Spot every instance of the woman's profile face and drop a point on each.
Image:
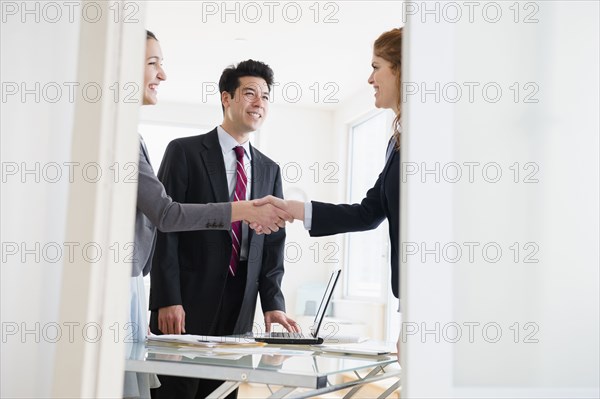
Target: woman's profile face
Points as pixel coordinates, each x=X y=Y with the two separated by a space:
x=384 y=81
x=153 y=72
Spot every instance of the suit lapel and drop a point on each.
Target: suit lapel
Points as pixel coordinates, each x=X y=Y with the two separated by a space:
x=145 y=150
x=260 y=182
x=390 y=154
x=260 y=185
x=212 y=157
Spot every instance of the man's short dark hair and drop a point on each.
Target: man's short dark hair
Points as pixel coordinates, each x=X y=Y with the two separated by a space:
x=150 y=35
x=230 y=78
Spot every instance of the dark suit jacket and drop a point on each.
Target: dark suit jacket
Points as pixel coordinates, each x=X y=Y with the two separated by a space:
x=382 y=201
x=191 y=268
x=155 y=209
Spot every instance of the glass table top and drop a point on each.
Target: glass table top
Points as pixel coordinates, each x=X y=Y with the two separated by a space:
x=284 y=365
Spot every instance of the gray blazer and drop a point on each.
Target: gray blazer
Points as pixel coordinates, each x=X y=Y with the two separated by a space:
x=155 y=209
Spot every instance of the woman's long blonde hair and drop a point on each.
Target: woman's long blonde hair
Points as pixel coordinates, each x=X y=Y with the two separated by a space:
x=389 y=47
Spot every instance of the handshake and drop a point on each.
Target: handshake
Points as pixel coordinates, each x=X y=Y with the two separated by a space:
x=268 y=214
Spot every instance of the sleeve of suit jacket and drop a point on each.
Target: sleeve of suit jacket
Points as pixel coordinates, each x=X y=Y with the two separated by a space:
x=329 y=219
x=168 y=215
x=271 y=297
x=173 y=174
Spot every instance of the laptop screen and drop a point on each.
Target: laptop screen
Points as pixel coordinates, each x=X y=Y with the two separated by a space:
x=320 y=315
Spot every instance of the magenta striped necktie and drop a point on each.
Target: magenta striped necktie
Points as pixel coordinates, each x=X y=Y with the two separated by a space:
x=239 y=195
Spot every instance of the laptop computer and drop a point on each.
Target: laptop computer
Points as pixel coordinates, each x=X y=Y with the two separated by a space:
x=298 y=338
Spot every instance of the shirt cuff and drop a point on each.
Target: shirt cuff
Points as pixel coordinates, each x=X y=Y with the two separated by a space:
x=307 y=215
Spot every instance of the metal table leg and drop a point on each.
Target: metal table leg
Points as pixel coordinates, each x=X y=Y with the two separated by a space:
x=389 y=391
x=283 y=392
x=353 y=391
x=225 y=389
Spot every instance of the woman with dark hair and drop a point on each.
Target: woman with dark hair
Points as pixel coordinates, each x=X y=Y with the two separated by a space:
x=155 y=210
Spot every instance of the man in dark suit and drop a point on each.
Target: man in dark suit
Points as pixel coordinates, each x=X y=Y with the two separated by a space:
x=207 y=282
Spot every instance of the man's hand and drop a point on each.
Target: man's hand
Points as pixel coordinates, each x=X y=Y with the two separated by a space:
x=295 y=209
x=277 y=316
x=171 y=320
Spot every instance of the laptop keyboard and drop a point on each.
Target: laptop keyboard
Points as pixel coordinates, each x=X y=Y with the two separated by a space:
x=293 y=335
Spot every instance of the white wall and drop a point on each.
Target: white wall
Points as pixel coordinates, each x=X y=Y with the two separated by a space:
x=34 y=207
x=299 y=138
x=557 y=290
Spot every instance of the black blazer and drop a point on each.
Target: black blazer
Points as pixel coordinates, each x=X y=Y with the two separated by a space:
x=190 y=268
x=382 y=201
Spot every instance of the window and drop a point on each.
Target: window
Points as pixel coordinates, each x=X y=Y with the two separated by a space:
x=367 y=253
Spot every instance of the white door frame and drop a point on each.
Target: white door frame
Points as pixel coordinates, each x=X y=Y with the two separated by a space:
x=95 y=287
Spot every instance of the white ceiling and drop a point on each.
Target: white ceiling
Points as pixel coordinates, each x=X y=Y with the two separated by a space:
x=199 y=39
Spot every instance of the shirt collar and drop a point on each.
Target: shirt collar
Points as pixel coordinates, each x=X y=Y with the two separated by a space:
x=228 y=143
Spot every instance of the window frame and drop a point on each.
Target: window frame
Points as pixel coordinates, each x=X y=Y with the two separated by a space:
x=382 y=296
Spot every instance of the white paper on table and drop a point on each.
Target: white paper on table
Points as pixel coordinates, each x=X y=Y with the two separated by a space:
x=370 y=349
x=199 y=339
x=264 y=350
